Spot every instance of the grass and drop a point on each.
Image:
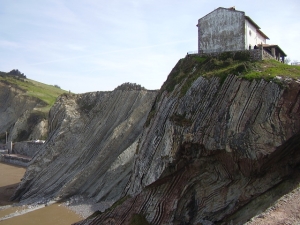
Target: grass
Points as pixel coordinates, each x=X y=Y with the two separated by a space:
x=138 y=219
x=180 y=120
x=269 y=69
x=46 y=93
x=189 y=69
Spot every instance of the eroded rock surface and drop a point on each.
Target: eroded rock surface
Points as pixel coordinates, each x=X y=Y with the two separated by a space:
x=89 y=152
x=18 y=116
x=206 y=154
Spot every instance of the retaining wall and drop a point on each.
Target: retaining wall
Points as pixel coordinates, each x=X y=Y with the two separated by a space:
x=27 y=148
x=14 y=159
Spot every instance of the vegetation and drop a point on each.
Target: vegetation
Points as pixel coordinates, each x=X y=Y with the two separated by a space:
x=180 y=120
x=130 y=87
x=150 y=116
x=270 y=69
x=138 y=219
x=45 y=93
x=189 y=69
x=16 y=73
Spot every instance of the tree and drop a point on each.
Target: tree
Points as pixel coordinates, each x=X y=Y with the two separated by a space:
x=295 y=62
x=287 y=60
x=17 y=73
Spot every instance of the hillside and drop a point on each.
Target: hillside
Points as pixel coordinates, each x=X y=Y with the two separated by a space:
x=220 y=145
x=45 y=93
x=24 y=107
x=89 y=152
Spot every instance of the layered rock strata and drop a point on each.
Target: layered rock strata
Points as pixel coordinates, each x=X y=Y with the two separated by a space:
x=206 y=154
x=89 y=152
x=18 y=116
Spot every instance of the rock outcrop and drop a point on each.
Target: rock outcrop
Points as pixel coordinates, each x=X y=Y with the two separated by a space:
x=18 y=114
x=206 y=152
x=89 y=152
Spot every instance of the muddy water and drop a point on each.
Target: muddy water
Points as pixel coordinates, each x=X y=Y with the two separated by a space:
x=10 y=176
x=54 y=214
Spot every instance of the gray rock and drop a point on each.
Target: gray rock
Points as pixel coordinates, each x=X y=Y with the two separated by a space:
x=89 y=152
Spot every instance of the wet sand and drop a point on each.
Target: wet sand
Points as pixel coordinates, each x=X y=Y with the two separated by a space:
x=49 y=215
x=10 y=177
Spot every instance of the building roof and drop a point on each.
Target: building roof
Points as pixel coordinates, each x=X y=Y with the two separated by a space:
x=229 y=9
x=246 y=17
x=263 y=34
x=251 y=21
x=275 y=46
x=257 y=27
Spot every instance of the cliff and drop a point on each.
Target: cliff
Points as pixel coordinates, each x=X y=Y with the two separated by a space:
x=89 y=152
x=216 y=141
x=17 y=114
x=24 y=107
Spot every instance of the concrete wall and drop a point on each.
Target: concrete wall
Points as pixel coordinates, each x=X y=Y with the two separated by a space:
x=221 y=30
x=11 y=159
x=26 y=148
x=254 y=54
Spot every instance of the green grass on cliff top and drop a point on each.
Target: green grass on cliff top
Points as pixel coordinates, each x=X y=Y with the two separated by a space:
x=187 y=70
x=250 y=70
x=269 y=69
x=46 y=93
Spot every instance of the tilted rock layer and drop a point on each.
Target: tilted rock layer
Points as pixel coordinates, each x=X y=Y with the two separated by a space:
x=206 y=154
x=18 y=116
x=92 y=140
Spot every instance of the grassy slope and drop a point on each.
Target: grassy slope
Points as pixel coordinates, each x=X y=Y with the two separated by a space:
x=187 y=70
x=44 y=92
x=190 y=68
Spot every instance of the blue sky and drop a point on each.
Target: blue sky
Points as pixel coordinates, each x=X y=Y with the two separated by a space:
x=89 y=45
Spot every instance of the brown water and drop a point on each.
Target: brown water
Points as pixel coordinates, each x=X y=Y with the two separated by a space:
x=54 y=214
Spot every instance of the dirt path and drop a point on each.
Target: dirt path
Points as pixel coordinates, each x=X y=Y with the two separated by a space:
x=285 y=211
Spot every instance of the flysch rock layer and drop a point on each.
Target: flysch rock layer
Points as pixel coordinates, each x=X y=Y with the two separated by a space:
x=208 y=153
x=15 y=111
x=89 y=152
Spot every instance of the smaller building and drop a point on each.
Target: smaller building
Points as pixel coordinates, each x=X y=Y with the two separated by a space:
x=227 y=29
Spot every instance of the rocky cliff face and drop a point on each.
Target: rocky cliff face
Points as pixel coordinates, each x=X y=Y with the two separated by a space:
x=207 y=152
x=18 y=115
x=92 y=140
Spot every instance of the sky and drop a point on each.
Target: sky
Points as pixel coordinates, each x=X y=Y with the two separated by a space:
x=96 y=45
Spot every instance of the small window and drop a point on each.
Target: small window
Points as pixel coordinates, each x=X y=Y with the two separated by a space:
x=250 y=32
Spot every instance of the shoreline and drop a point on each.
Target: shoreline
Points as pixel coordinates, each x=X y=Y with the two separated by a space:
x=14 y=213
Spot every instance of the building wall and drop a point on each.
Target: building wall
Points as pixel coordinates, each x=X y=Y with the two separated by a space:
x=221 y=30
x=252 y=37
x=254 y=54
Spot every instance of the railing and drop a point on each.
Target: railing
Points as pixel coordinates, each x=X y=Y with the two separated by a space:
x=192 y=53
x=295 y=63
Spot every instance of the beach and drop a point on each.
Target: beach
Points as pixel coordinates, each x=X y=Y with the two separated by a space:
x=58 y=214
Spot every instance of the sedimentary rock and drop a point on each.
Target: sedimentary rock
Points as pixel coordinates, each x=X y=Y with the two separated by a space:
x=18 y=116
x=92 y=140
x=205 y=154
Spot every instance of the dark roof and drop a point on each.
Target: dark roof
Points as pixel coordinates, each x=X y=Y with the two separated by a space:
x=263 y=34
x=257 y=27
x=251 y=21
x=274 y=46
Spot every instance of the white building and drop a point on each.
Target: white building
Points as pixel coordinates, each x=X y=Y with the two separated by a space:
x=227 y=29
